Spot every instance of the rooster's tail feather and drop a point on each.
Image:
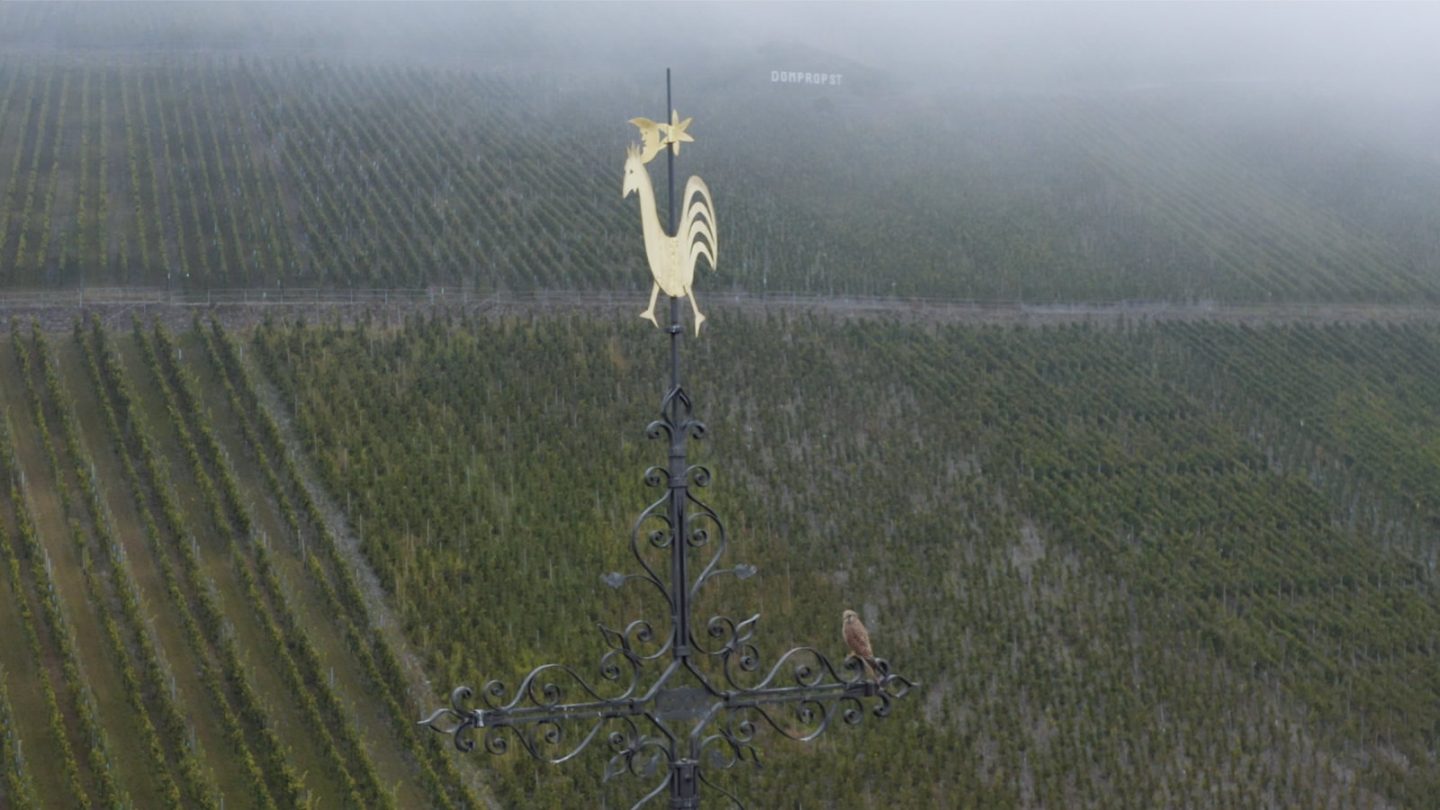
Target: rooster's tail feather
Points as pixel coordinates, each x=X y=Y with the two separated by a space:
x=699 y=228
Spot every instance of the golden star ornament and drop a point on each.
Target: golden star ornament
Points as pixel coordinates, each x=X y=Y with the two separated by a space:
x=675 y=133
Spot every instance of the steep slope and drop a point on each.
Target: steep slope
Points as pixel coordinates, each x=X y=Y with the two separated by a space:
x=266 y=170
x=192 y=638
x=1126 y=571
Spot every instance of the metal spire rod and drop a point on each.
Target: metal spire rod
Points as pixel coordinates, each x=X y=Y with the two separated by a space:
x=679 y=486
x=712 y=696
x=684 y=787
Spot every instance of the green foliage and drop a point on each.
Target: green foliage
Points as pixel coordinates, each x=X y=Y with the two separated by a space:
x=292 y=650
x=210 y=172
x=19 y=792
x=1148 y=565
x=1124 y=571
x=337 y=583
x=110 y=589
x=176 y=652
x=60 y=626
x=133 y=441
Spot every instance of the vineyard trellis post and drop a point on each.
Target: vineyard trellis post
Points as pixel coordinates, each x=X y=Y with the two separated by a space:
x=710 y=695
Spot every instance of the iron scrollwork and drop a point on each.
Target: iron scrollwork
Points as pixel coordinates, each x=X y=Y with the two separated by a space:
x=711 y=695
x=735 y=697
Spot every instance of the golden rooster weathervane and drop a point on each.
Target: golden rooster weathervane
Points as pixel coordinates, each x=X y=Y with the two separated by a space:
x=672 y=257
x=689 y=702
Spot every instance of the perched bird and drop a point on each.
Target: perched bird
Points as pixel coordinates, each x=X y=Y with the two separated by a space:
x=858 y=640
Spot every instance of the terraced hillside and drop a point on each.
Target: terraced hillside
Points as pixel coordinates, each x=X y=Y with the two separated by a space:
x=182 y=629
x=205 y=171
x=1128 y=571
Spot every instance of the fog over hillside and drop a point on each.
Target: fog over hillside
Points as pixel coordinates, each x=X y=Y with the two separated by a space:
x=1367 y=65
x=1089 y=352
x=981 y=151
x=1383 y=49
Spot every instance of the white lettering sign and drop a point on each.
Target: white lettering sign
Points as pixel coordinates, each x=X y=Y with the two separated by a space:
x=802 y=77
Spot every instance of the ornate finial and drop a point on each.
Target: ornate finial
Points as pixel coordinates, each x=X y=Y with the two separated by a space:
x=690 y=701
x=655 y=136
x=651 y=139
x=675 y=133
x=672 y=257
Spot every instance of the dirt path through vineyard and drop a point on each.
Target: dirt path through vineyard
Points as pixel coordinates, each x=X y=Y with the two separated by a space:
x=348 y=541
x=58 y=309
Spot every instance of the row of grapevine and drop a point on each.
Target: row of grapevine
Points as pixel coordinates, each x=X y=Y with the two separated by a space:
x=19 y=792
x=157 y=608
x=269 y=171
x=177 y=619
x=331 y=572
x=216 y=505
x=111 y=586
x=88 y=742
x=63 y=770
x=293 y=651
x=188 y=594
x=1137 y=591
x=158 y=676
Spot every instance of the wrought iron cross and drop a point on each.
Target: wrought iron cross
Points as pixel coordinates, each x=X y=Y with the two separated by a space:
x=711 y=695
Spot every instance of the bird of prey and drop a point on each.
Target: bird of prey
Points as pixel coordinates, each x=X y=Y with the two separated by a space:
x=858 y=640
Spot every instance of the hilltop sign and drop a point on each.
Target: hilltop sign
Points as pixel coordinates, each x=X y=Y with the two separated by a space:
x=799 y=77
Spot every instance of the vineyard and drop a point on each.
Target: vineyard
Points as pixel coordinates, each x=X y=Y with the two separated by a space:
x=1182 y=563
x=1127 y=578
x=199 y=171
x=193 y=635
x=1115 y=413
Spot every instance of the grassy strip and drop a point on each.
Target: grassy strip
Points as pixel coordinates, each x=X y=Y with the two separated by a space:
x=9 y=193
x=345 y=602
x=68 y=762
x=18 y=793
x=94 y=587
x=275 y=756
x=99 y=759
x=300 y=664
x=46 y=226
x=100 y=230
x=135 y=155
x=157 y=680
x=70 y=251
x=116 y=387
x=33 y=177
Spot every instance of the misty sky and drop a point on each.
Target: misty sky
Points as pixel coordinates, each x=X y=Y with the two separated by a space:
x=1387 y=47
x=1295 y=42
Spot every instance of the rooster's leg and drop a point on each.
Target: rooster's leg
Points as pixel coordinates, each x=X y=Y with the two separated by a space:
x=649 y=313
x=695 y=307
